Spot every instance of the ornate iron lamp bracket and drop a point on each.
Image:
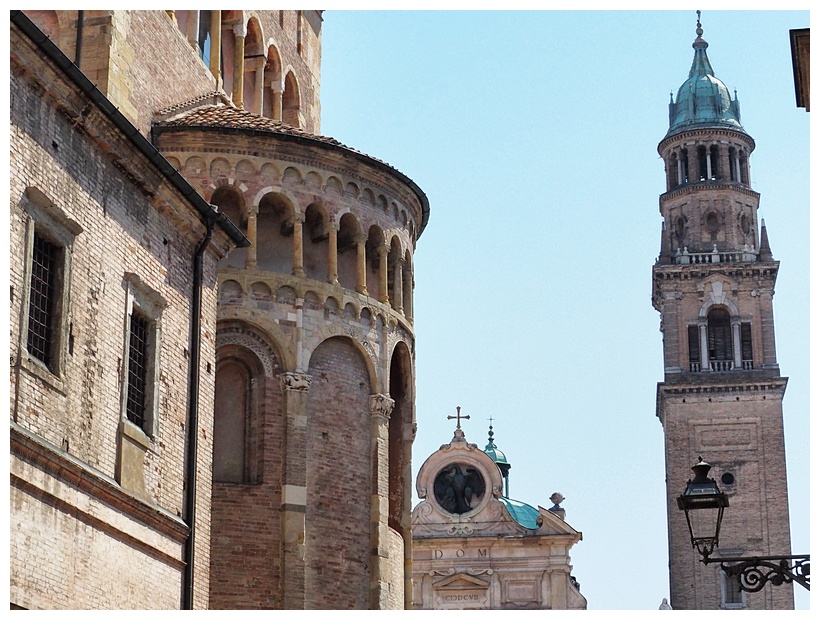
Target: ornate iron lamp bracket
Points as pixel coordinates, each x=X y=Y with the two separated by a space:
x=755 y=572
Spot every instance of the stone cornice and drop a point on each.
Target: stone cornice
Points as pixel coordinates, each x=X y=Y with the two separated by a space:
x=709 y=186
x=73 y=472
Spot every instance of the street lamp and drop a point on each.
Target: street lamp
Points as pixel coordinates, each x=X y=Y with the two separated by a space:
x=703 y=502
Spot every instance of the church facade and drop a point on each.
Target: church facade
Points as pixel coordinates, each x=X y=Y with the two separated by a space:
x=476 y=548
x=300 y=497
x=721 y=397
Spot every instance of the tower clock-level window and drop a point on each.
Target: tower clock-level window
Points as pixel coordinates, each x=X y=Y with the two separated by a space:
x=43 y=295
x=719 y=332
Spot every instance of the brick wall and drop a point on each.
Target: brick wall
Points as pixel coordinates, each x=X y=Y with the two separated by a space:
x=89 y=175
x=338 y=479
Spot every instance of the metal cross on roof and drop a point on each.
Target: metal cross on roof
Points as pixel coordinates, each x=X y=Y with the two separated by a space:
x=458 y=417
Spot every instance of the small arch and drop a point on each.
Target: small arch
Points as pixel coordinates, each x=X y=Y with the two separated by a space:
x=260 y=291
x=292 y=176
x=286 y=295
x=275 y=233
x=231 y=202
x=291 y=106
x=399 y=449
x=346 y=247
x=230 y=292
x=373 y=245
x=245 y=171
x=316 y=245
x=313 y=180
x=331 y=307
x=334 y=185
x=366 y=318
x=368 y=197
x=312 y=301
x=195 y=166
x=174 y=162
x=269 y=174
x=394 y=275
x=381 y=201
x=220 y=167
x=349 y=312
x=352 y=190
x=273 y=85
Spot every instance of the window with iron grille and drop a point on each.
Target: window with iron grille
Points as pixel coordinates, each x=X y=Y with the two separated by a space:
x=138 y=345
x=43 y=300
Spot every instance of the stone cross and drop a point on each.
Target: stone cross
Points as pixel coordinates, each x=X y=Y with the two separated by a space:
x=458 y=417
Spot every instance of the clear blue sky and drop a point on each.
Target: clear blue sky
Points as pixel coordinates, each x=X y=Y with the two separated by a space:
x=534 y=135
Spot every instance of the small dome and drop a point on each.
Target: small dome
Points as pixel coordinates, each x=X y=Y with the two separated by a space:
x=493 y=452
x=703 y=100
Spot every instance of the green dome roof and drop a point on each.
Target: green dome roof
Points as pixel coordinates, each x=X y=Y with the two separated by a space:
x=493 y=452
x=703 y=100
x=524 y=514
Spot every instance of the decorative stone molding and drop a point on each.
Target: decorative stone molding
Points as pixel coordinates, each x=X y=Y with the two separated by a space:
x=381 y=406
x=248 y=339
x=296 y=381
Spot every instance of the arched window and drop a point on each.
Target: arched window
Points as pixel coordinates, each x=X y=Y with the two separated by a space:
x=719 y=339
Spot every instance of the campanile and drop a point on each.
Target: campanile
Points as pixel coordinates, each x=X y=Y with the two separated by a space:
x=721 y=397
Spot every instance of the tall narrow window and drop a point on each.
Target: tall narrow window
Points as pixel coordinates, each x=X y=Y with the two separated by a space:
x=137 y=369
x=720 y=339
x=732 y=594
x=204 y=36
x=746 y=345
x=694 y=349
x=42 y=300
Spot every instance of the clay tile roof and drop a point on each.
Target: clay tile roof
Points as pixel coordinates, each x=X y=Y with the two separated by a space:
x=233 y=118
x=215 y=111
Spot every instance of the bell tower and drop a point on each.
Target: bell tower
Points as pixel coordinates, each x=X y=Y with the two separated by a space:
x=721 y=397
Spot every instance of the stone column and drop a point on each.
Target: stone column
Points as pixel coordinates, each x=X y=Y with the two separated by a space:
x=278 y=88
x=216 y=47
x=250 y=257
x=193 y=29
x=332 y=253
x=407 y=279
x=383 y=296
x=361 y=264
x=238 y=65
x=298 y=257
x=704 y=345
x=736 y=349
x=398 y=287
x=381 y=406
x=708 y=163
x=680 y=168
x=295 y=386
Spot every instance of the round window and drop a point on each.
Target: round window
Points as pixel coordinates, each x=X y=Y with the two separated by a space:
x=459 y=488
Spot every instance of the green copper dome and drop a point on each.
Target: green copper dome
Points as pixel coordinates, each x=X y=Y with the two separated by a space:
x=524 y=514
x=493 y=452
x=703 y=100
